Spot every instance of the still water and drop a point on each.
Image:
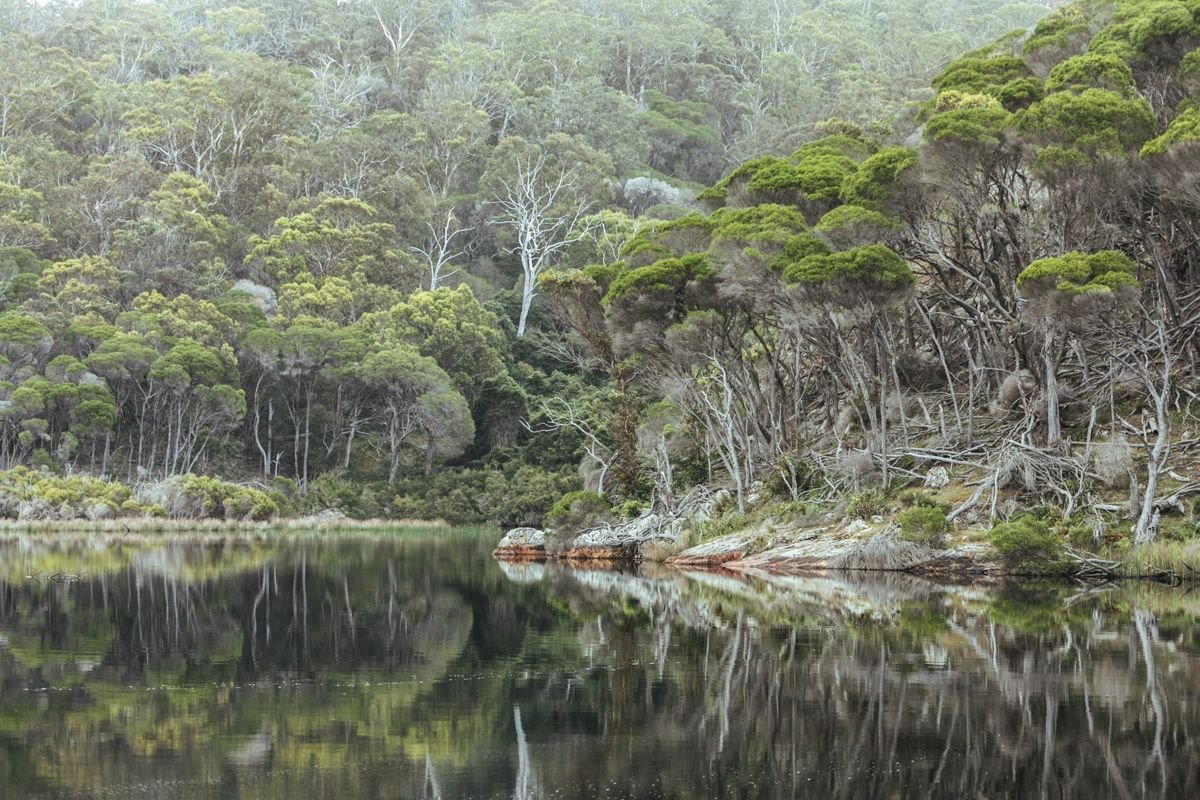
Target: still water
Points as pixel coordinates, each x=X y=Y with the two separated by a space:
x=414 y=666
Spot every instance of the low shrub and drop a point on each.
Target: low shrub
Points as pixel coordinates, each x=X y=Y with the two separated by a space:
x=916 y=497
x=924 y=525
x=202 y=497
x=576 y=512
x=34 y=494
x=1029 y=546
x=865 y=505
x=629 y=509
x=791 y=473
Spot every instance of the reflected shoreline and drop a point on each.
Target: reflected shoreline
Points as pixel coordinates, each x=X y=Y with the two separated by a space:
x=421 y=667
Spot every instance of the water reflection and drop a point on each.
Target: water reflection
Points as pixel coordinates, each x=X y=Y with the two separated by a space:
x=415 y=666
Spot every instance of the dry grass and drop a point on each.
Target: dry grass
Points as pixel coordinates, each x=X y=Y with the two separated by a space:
x=1151 y=560
x=213 y=528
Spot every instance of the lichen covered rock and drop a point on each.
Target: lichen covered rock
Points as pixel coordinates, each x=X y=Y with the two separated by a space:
x=522 y=543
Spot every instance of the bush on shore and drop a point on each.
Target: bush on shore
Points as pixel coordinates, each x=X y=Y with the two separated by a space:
x=1029 y=546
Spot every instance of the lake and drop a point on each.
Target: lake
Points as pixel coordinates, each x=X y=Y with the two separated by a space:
x=415 y=666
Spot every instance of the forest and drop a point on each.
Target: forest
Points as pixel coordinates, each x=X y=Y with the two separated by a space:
x=458 y=260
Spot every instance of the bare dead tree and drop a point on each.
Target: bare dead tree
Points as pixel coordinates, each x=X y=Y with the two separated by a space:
x=538 y=204
x=559 y=414
x=1152 y=360
x=438 y=251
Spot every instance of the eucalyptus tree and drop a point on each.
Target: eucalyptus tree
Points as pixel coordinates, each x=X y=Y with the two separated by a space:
x=540 y=198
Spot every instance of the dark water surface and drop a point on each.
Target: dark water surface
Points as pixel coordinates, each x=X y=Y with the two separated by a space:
x=416 y=667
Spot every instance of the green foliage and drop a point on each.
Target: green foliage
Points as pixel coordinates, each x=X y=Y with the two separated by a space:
x=1060 y=30
x=867 y=504
x=133 y=193
x=1189 y=67
x=1019 y=94
x=1183 y=130
x=1027 y=545
x=872 y=184
x=1080 y=273
x=578 y=511
x=1092 y=70
x=796 y=249
x=1093 y=122
x=668 y=275
x=974 y=74
x=801 y=474
x=974 y=119
x=31 y=495
x=916 y=498
x=871 y=266
x=923 y=524
x=850 y=226
x=1149 y=24
x=760 y=225
x=200 y=496
x=722 y=525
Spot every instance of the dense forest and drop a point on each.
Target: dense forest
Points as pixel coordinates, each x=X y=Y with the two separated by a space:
x=453 y=259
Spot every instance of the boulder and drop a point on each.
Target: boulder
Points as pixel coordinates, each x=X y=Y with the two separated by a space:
x=937 y=478
x=523 y=571
x=651 y=536
x=522 y=543
x=718 y=551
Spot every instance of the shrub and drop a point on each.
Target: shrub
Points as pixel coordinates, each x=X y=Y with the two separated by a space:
x=249 y=504
x=924 y=525
x=720 y=526
x=202 y=497
x=629 y=509
x=802 y=474
x=576 y=512
x=327 y=491
x=1028 y=545
x=910 y=498
x=865 y=505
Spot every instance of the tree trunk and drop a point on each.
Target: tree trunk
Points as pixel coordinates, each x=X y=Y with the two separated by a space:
x=526 y=300
x=1053 y=422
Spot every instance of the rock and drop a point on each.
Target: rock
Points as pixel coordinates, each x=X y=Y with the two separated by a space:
x=876 y=519
x=856 y=526
x=715 y=552
x=883 y=551
x=649 y=537
x=523 y=571
x=522 y=543
x=937 y=478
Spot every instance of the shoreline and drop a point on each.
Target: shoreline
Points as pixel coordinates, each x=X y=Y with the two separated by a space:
x=215 y=529
x=814 y=556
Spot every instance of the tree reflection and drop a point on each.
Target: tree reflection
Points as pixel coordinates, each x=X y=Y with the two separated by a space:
x=418 y=668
